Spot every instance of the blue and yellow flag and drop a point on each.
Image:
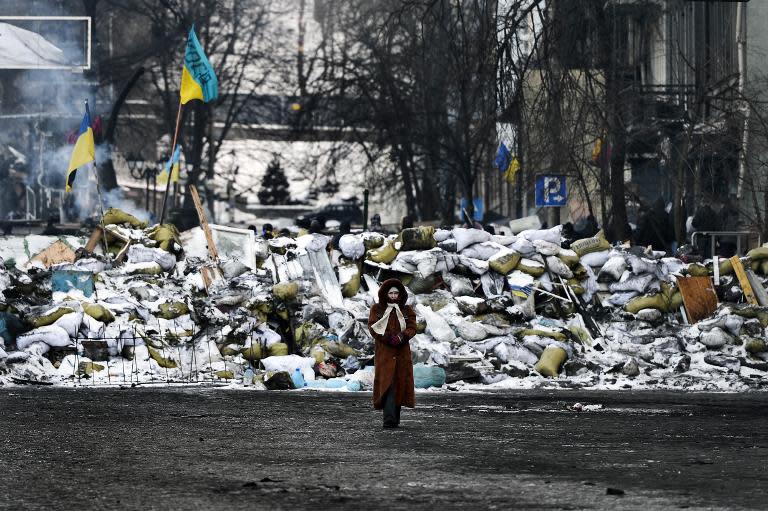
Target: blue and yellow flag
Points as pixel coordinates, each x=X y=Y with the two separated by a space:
x=85 y=149
x=198 y=81
x=172 y=168
x=511 y=171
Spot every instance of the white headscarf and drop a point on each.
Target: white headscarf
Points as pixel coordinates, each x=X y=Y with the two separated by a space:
x=381 y=325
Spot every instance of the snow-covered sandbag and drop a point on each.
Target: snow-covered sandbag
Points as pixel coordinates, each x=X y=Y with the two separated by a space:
x=442 y=235
x=613 y=269
x=504 y=261
x=147 y=268
x=312 y=242
x=233 y=268
x=521 y=354
x=448 y=245
x=558 y=267
x=352 y=246
x=552 y=359
x=437 y=327
x=649 y=315
x=672 y=265
x=471 y=305
x=426 y=262
x=503 y=240
x=715 y=338
x=471 y=331
x=552 y=235
x=263 y=335
x=290 y=363
x=569 y=257
x=466 y=237
x=70 y=323
x=476 y=266
x=52 y=335
x=523 y=247
x=596 y=259
x=531 y=267
x=636 y=283
x=349 y=280
x=142 y=254
x=621 y=299
x=641 y=265
x=546 y=248
x=482 y=251
x=445 y=262
x=403 y=263
x=460 y=286
x=585 y=246
x=501 y=352
x=416 y=238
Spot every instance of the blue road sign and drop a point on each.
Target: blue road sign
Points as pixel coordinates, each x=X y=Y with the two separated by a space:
x=551 y=191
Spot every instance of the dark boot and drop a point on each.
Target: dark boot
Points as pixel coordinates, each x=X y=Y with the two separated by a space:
x=391 y=415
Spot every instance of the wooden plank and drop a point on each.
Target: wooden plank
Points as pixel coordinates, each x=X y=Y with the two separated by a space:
x=93 y=241
x=699 y=297
x=746 y=287
x=204 y=224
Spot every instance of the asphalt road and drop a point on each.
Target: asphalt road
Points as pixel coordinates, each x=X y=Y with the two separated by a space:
x=213 y=448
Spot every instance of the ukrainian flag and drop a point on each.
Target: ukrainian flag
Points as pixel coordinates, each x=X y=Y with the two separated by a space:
x=172 y=168
x=85 y=149
x=198 y=81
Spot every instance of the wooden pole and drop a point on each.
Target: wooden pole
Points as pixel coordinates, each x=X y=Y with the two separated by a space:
x=101 y=208
x=170 y=173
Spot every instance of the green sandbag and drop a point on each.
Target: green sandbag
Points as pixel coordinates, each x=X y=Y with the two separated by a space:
x=166 y=363
x=119 y=217
x=726 y=268
x=146 y=269
x=372 y=242
x=576 y=286
x=165 y=235
x=550 y=361
x=656 y=301
x=504 y=262
x=535 y=270
x=764 y=267
x=755 y=345
x=569 y=257
x=286 y=290
x=279 y=349
x=253 y=353
x=558 y=336
x=675 y=301
x=758 y=254
x=417 y=238
x=589 y=245
x=317 y=353
x=51 y=317
x=386 y=254
x=337 y=348
x=698 y=270
x=172 y=310
x=88 y=368
x=225 y=375
x=99 y=312
x=349 y=278
x=229 y=350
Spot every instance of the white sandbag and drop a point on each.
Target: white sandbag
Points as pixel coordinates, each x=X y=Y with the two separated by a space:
x=636 y=283
x=521 y=354
x=595 y=259
x=503 y=240
x=442 y=235
x=715 y=338
x=448 y=245
x=552 y=235
x=476 y=266
x=263 y=336
x=470 y=304
x=403 y=263
x=558 y=267
x=471 y=331
x=467 y=237
x=650 y=315
x=290 y=363
x=590 y=285
x=613 y=269
x=51 y=335
x=483 y=251
x=426 y=262
x=437 y=327
x=523 y=247
x=142 y=254
x=641 y=265
x=546 y=248
x=460 y=286
x=445 y=262
x=501 y=352
x=352 y=246
x=312 y=242
x=672 y=265
x=545 y=282
x=621 y=299
x=525 y=223
x=70 y=323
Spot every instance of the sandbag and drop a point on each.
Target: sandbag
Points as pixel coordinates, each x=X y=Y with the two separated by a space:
x=150 y=268
x=551 y=361
x=386 y=254
x=118 y=217
x=552 y=235
x=349 y=280
x=50 y=317
x=437 y=327
x=471 y=331
x=167 y=237
x=649 y=315
x=448 y=245
x=697 y=270
x=641 y=265
x=639 y=284
x=233 y=268
x=596 y=259
x=612 y=270
x=589 y=245
x=523 y=247
x=419 y=284
x=425 y=376
x=504 y=261
x=372 y=240
x=656 y=301
x=253 y=353
x=546 y=248
x=442 y=235
x=558 y=267
x=171 y=310
x=483 y=251
x=98 y=312
x=286 y=290
x=460 y=286
x=416 y=238
x=337 y=348
x=530 y=267
x=476 y=266
x=466 y=237
x=569 y=257
x=759 y=253
x=142 y=254
x=403 y=263
x=426 y=262
x=715 y=338
x=352 y=246
x=539 y=332
x=70 y=323
x=52 y=335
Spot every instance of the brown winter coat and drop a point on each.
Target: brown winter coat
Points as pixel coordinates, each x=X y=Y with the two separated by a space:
x=393 y=363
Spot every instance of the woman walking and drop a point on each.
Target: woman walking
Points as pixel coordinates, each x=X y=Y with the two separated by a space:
x=392 y=324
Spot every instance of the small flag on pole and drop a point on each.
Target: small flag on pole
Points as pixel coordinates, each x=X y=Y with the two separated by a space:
x=511 y=172
x=198 y=80
x=171 y=168
x=84 y=151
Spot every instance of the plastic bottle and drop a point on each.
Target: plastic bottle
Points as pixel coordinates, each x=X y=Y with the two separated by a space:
x=248 y=377
x=298 y=379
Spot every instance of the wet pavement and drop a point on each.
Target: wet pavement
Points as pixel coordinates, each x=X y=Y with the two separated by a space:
x=212 y=448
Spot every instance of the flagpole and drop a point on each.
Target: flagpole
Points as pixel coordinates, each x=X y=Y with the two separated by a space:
x=101 y=209
x=170 y=172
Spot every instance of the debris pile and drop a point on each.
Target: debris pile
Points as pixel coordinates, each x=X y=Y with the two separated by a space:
x=505 y=311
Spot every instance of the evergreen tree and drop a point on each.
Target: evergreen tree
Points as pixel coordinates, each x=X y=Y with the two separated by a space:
x=274 y=185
